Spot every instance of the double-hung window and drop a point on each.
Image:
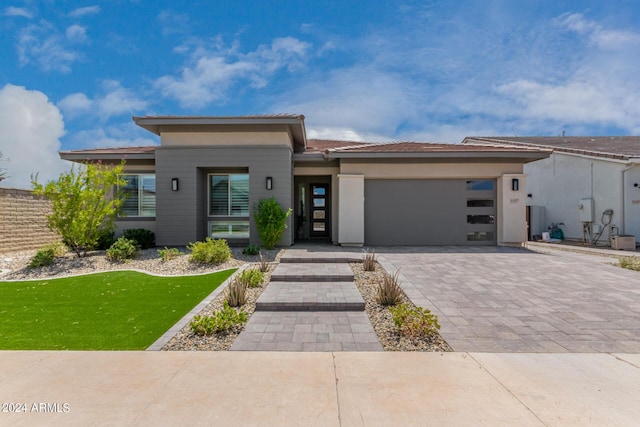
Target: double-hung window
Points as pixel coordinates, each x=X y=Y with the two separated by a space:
x=140 y=195
x=229 y=205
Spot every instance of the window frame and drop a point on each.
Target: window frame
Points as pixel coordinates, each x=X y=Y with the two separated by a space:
x=229 y=213
x=140 y=194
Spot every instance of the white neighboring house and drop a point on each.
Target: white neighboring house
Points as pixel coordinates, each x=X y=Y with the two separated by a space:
x=584 y=179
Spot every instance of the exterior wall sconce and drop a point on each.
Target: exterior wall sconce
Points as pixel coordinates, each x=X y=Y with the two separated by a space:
x=269 y=183
x=515 y=184
x=174 y=184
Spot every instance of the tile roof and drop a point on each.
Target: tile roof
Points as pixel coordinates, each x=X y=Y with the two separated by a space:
x=247 y=116
x=614 y=147
x=321 y=145
x=427 y=147
x=147 y=149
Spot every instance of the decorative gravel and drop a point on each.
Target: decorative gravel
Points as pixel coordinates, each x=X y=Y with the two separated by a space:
x=380 y=317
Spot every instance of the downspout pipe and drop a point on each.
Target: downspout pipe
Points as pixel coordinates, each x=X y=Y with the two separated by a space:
x=632 y=164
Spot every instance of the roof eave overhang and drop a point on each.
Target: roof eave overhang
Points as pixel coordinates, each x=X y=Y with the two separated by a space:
x=295 y=124
x=84 y=157
x=519 y=155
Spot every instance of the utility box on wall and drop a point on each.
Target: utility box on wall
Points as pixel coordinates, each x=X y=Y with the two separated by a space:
x=586 y=210
x=623 y=242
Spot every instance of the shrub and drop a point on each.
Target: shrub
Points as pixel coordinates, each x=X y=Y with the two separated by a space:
x=389 y=291
x=122 y=249
x=271 y=220
x=630 y=262
x=414 y=322
x=369 y=261
x=237 y=293
x=251 y=277
x=144 y=238
x=59 y=249
x=42 y=258
x=263 y=264
x=251 y=250
x=167 y=254
x=106 y=238
x=219 y=321
x=210 y=251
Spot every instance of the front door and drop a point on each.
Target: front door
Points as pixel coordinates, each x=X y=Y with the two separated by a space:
x=319 y=211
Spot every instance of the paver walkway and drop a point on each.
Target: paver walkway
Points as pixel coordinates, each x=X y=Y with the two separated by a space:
x=311 y=304
x=498 y=299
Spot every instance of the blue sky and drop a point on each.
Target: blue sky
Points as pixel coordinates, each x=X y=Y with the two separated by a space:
x=73 y=73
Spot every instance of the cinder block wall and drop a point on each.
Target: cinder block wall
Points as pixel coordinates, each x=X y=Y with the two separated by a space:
x=23 y=222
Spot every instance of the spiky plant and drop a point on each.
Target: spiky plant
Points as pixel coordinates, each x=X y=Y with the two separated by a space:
x=237 y=293
x=263 y=264
x=369 y=260
x=389 y=291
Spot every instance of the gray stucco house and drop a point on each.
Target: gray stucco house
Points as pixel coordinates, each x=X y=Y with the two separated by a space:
x=207 y=173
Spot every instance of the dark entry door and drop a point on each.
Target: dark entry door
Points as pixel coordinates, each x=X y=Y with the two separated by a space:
x=320 y=211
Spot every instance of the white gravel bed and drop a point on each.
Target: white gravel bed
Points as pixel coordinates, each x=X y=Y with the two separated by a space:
x=14 y=266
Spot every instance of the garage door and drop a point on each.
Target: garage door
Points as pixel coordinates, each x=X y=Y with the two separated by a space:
x=430 y=212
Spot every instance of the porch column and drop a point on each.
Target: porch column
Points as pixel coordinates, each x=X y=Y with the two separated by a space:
x=512 y=210
x=351 y=210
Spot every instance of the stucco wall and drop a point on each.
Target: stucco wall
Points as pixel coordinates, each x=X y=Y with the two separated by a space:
x=559 y=182
x=23 y=223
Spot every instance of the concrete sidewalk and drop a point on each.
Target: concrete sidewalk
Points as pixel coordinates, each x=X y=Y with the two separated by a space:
x=324 y=389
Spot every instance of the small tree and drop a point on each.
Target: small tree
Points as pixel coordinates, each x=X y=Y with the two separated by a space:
x=82 y=208
x=271 y=220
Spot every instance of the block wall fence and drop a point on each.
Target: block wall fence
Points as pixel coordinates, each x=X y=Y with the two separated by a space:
x=23 y=222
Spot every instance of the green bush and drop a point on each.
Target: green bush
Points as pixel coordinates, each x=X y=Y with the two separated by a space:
x=630 y=262
x=123 y=249
x=167 y=254
x=251 y=277
x=414 y=322
x=219 y=321
x=106 y=238
x=251 y=250
x=237 y=293
x=210 y=251
x=59 y=248
x=271 y=220
x=389 y=291
x=144 y=238
x=42 y=258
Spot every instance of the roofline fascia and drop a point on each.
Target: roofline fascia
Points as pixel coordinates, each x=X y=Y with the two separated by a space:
x=535 y=155
x=80 y=157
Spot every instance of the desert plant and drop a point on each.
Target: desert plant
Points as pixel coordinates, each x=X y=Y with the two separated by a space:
x=237 y=293
x=271 y=220
x=81 y=207
x=389 y=291
x=123 y=249
x=251 y=277
x=42 y=258
x=167 y=254
x=219 y=321
x=211 y=251
x=630 y=262
x=251 y=250
x=414 y=322
x=263 y=264
x=144 y=238
x=369 y=260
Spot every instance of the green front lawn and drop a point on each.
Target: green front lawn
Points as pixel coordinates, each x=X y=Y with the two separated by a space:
x=122 y=310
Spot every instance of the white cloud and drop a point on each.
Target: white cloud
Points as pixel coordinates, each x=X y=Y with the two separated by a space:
x=43 y=44
x=30 y=138
x=76 y=34
x=210 y=75
x=123 y=135
x=114 y=100
x=84 y=11
x=18 y=11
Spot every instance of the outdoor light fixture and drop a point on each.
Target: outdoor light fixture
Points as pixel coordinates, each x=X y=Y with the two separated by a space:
x=174 y=184
x=515 y=184
x=269 y=183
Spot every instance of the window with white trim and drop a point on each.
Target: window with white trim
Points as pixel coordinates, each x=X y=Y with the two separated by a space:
x=140 y=195
x=229 y=204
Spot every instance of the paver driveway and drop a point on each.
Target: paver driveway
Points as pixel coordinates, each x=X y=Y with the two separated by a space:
x=514 y=300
